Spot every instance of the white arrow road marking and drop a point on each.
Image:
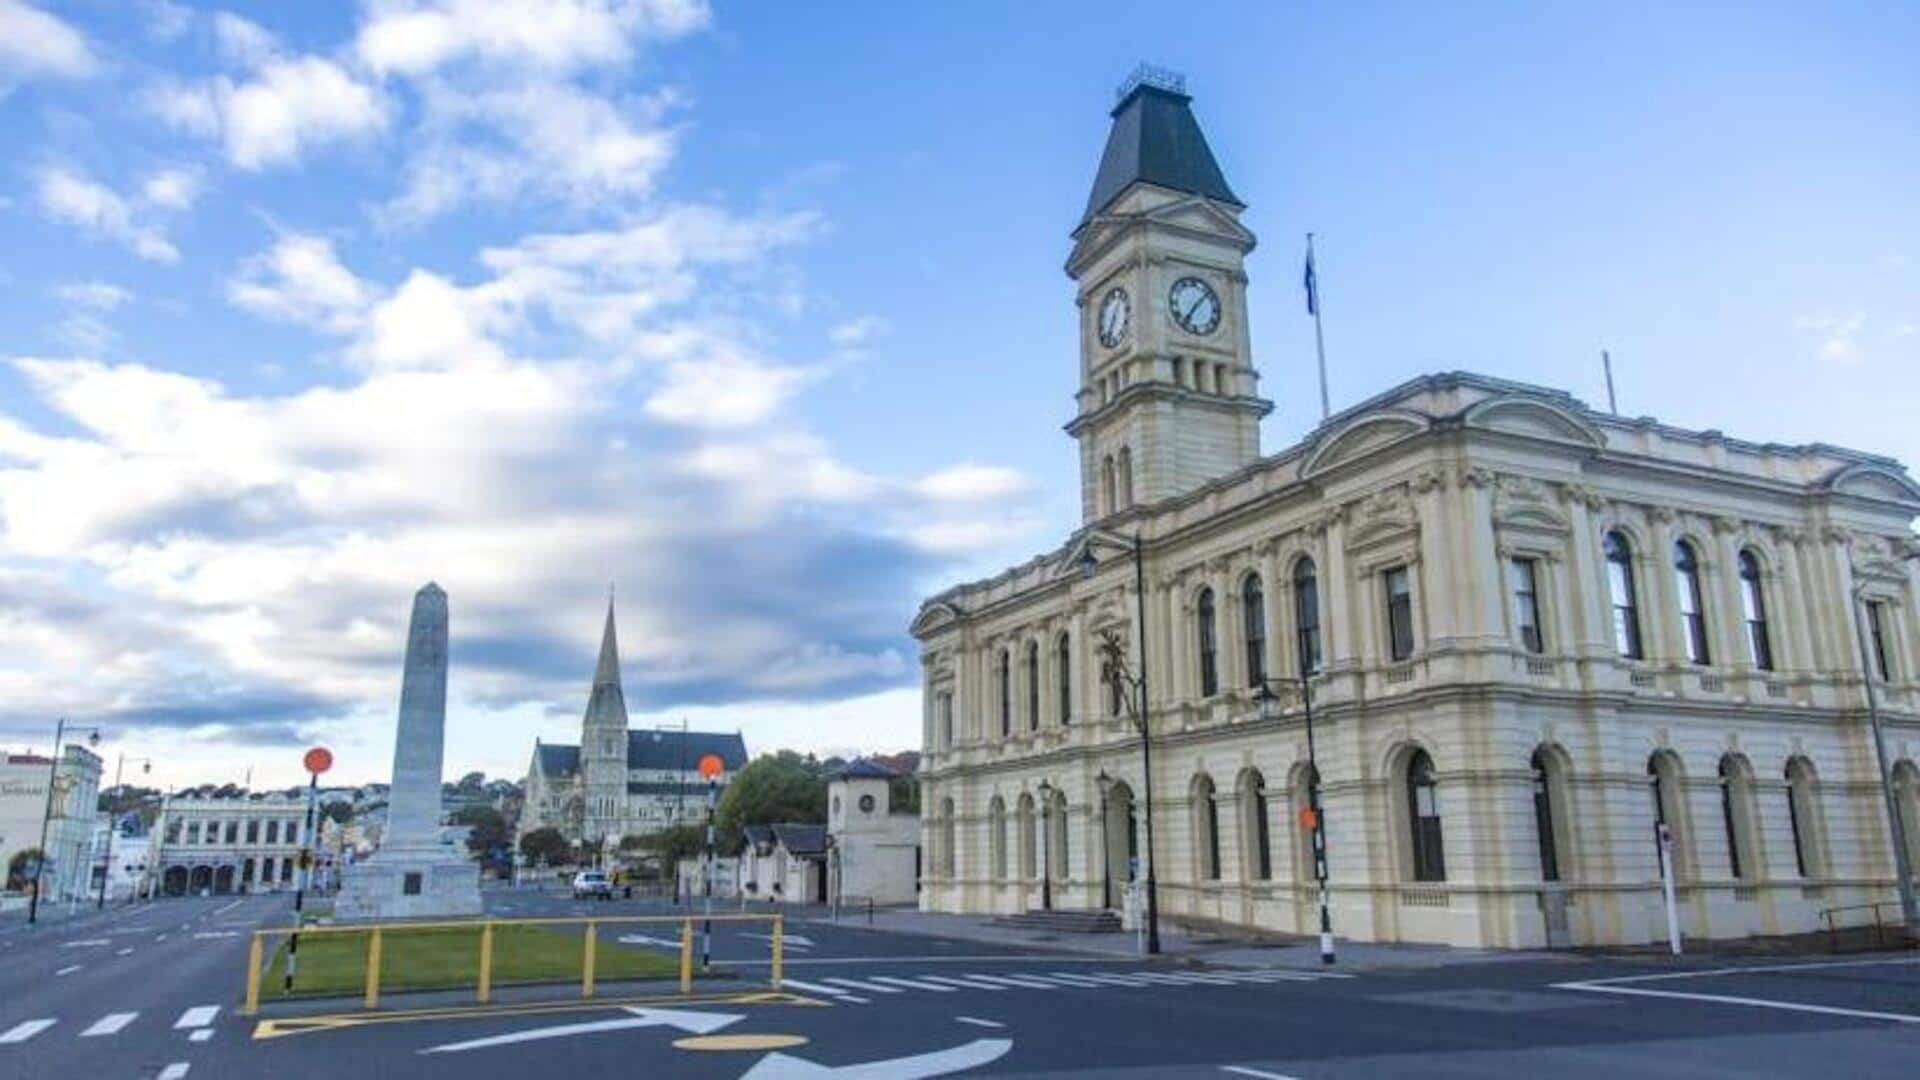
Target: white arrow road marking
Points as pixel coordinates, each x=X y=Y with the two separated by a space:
x=25 y=1030
x=198 y=1016
x=109 y=1024
x=699 y=1023
x=938 y=1063
x=642 y=939
x=792 y=941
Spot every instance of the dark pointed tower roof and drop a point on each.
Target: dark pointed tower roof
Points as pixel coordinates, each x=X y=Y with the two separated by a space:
x=1155 y=140
x=607 y=704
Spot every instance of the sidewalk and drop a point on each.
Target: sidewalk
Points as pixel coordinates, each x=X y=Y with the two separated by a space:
x=1290 y=953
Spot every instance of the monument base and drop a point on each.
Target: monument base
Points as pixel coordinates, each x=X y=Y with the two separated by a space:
x=408 y=885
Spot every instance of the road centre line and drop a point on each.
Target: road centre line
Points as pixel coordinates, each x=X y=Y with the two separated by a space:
x=1262 y=1075
x=68 y=970
x=977 y=1022
x=1754 y=969
x=1729 y=999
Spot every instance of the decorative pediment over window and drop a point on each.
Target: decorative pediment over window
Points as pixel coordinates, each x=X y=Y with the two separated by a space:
x=1523 y=504
x=1534 y=419
x=1365 y=435
x=1873 y=482
x=1382 y=516
x=934 y=617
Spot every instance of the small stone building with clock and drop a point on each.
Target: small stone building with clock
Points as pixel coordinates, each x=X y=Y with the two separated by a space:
x=1533 y=631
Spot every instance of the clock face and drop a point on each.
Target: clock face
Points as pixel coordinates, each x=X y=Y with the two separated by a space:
x=1116 y=312
x=1195 y=307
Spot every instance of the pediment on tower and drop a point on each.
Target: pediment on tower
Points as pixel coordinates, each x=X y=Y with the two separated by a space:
x=1203 y=216
x=1185 y=213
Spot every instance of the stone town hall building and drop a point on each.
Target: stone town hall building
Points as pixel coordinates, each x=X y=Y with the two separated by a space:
x=1533 y=629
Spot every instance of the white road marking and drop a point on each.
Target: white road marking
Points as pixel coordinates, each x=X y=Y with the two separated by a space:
x=87 y=944
x=871 y=988
x=1115 y=980
x=108 y=1024
x=642 y=939
x=813 y=988
x=229 y=907
x=198 y=1016
x=778 y=1066
x=686 y=1020
x=895 y=980
x=124 y=952
x=977 y=1022
x=205 y=935
x=70 y=969
x=25 y=1030
x=1015 y=980
x=1263 y=1075
x=174 y=1071
x=1614 y=986
x=969 y=983
x=1071 y=980
x=791 y=941
x=201 y=1035
x=160 y=937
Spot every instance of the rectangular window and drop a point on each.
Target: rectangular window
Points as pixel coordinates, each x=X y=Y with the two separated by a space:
x=293 y=832
x=945 y=717
x=1526 y=604
x=253 y=831
x=1626 y=617
x=273 y=832
x=233 y=832
x=1877 y=637
x=1306 y=602
x=193 y=832
x=1399 y=612
x=410 y=885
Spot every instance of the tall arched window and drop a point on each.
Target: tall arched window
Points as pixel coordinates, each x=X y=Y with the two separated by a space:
x=1062 y=673
x=1116 y=690
x=1206 y=828
x=1753 y=604
x=1736 y=793
x=997 y=837
x=1024 y=826
x=1057 y=840
x=1108 y=487
x=1033 y=686
x=1545 y=824
x=1253 y=611
x=1306 y=615
x=1258 y=857
x=1667 y=785
x=1125 y=478
x=1304 y=780
x=949 y=859
x=1006 y=692
x=1423 y=818
x=1906 y=799
x=943 y=718
x=1803 y=815
x=1626 y=603
x=1693 y=607
x=1209 y=641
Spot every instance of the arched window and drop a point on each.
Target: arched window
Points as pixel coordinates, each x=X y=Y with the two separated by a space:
x=1423 y=818
x=1253 y=611
x=1524 y=580
x=1108 y=486
x=1057 y=836
x=1668 y=787
x=1753 y=604
x=944 y=716
x=1877 y=637
x=1803 y=815
x=1125 y=478
x=1398 y=583
x=1110 y=678
x=1736 y=813
x=1693 y=608
x=1206 y=828
x=997 y=837
x=1545 y=821
x=1626 y=603
x=1906 y=798
x=1254 y=829
x=1306 y=615
x=1024 y=826
x=1305 y=780
x=1062 y=673
x=1209 y=659
x=1006 y=693
x=1033 y=686
x=949 y=859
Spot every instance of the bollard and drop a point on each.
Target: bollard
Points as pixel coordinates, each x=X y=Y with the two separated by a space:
x=686 y=956
x=373 y=970
x=586 y=962
x=486 y=962
x=779 y=946
x=253 y=977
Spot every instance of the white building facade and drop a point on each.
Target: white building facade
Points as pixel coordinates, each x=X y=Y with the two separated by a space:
x=234 y=845
x=69 y=815
x=1532 y=631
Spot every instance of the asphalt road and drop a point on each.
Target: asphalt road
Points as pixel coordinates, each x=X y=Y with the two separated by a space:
x=877 y=1004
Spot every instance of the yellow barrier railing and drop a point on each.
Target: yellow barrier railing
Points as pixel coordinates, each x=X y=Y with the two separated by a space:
x=591 y=960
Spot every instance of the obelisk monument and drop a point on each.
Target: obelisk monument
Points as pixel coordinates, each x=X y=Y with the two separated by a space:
x=413 y=875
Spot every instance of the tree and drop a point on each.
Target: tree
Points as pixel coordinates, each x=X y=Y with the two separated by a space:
x=903 y=795
x=489 y=829
x=774 y=788
x=675 y=843
x=474 y=783
x=17 y=867
x=546 y=845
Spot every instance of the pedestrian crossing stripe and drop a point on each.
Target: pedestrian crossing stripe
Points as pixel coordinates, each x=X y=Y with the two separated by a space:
x=109 y=1024
x=846 y=990
x=25 y=1030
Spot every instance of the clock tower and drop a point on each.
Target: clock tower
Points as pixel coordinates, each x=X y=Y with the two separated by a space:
x=1168 y=395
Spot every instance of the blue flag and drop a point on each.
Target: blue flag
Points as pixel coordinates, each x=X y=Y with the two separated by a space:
x=1313 y=286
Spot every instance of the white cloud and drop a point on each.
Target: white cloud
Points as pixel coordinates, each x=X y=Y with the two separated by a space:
x=301 y=280
x=420 y=37
x=286 y=107
x=855 y=333
x=71 y=198
x=94 y=295
x=1839 y=335
x=243 y=41
x=727 y=392
x=166 y=20
x=171 y=189
x=972 y=483
x=35 y=44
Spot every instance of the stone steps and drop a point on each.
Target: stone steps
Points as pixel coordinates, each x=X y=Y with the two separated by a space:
x=1066 y=922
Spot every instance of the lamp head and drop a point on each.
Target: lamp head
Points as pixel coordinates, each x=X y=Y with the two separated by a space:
x=1046 y=788
x=1269 y=701
x=1088 y=564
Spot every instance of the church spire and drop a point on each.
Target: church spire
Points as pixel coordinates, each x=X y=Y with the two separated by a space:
x=607 y=671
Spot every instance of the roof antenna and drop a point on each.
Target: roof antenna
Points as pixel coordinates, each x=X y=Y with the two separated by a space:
x=1606 y=362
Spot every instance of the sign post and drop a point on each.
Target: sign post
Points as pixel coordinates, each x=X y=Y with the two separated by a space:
x=1665 y=835
x=317 y=760
x=710 y=767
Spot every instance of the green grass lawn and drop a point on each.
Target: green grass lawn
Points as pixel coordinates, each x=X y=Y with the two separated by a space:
x=443 y=958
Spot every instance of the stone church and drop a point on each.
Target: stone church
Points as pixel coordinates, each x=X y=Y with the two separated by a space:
x=617 y=783
x=1533 y=633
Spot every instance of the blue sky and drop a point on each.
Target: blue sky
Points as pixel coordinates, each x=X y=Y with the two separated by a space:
x=758 y=311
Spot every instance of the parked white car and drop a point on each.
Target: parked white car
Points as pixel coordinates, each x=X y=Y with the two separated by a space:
x=592 y=883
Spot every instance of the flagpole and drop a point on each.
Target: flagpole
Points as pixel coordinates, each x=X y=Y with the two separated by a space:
x=1319 y=339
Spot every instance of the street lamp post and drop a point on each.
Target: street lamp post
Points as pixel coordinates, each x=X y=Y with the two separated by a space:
x=46 y=814
x=1269 y=709
x=1902 y=866
x=1046 y=846
x=106 y=871
x=1136 y=701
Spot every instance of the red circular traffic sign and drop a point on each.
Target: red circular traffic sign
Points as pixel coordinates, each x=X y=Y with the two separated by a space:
x=318 y=760
x=711 y=766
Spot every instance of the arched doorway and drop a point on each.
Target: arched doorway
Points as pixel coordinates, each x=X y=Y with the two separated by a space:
x=1122 y=841
x=248 y=874
x=223 y=880
x=174 y=881
x=200 y=879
